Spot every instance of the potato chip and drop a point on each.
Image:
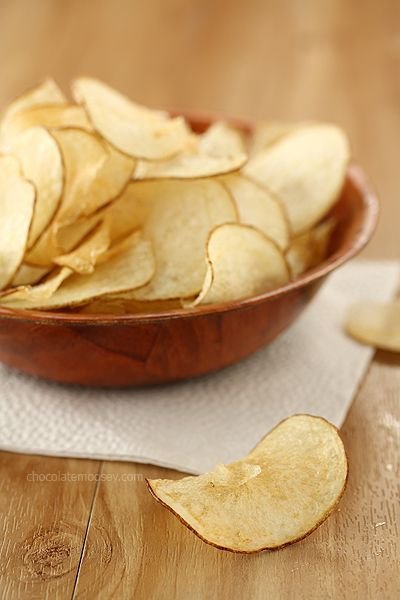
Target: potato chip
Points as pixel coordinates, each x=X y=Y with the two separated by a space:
x=277 y=495
x=306 y=170
x=41 y=163
x=53 y=116
x=375 y=324
x=45 y=93
x=106 y=171
x=267 y=133
x=28 y=275
x=177 y=217
x=49 y=247
x=128 y=269
x=242 y=262
x=84 y=258
x=221 y=140
x=36 y=293
x=256 y=206
x=217 y=151
x=310 y=248
x=17 y=201
x=131 y=128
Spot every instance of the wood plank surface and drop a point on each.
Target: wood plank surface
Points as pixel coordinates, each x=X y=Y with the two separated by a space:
x=45 y=504
x=311 y=59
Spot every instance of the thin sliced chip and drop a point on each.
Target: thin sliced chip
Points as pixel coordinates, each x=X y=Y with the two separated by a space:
x=277 y=495
x=267 y=133
x=36 y=293
x=309 y=249
x=242 y=262
x=257 y=207
x=48 y=247
x=177 y=217
x=45 y=93
x=17 y=201
x=53 y=116
x=84 y=258
x=375 y=324
x=219 y=150
x=106 y=171
x=128 y=269
x=221 y=140
x=133 y=129
x=41 y=163
x=28 y=275
x=306 y=170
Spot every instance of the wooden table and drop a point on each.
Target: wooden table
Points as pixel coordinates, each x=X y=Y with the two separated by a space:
x=85 y=536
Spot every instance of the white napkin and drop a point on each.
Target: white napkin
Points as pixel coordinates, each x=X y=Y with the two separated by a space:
x=313 y=367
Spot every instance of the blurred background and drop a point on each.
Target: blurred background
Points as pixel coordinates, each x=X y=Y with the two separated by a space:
x=336 y=60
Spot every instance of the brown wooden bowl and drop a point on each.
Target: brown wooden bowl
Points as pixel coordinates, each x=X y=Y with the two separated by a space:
x=142 y=349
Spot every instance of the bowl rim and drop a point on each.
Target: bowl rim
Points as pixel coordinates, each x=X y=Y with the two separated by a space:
x=370 y=210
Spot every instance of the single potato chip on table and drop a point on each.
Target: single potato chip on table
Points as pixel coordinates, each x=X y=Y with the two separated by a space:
x=275 y=496
x=376 y=324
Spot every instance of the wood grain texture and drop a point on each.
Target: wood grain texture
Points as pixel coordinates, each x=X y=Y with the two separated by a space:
x=45 y=505
x=331 y=59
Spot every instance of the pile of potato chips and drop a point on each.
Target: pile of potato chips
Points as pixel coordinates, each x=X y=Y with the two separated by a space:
x=110 y=207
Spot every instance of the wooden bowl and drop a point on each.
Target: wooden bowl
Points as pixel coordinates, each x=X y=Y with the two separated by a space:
x=128 y=350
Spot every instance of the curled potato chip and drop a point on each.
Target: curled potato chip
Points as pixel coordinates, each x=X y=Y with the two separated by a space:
x=52 y=116
x=242 y=262
x=28 y=275
x=36 y=293
x=177 y=217
x=84 y=258
x=376 y=324
x=133 y=129
x=306 y=170
x=257 y=207
x=106 y=171
x=41 y=163
x=275 y=496
x=17 y=201
x=267 y=133
x=46 y=92
x=221 y=139
x=128 y=269
x=217 y=151
x=49 y=247
x=309 y=249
